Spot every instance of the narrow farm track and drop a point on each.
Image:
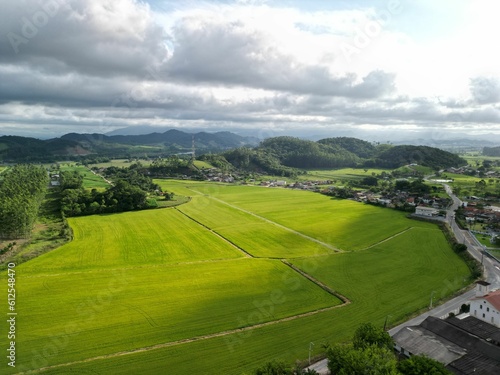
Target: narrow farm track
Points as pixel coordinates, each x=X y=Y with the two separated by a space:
x=198 y=338
x=326 y=288
x=270 y=222
x=387 y=239
x=248 y=255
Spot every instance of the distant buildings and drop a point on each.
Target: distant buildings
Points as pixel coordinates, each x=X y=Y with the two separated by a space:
x=426 y=211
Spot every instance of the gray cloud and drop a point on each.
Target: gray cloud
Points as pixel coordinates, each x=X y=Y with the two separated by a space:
x=232 y=54
x=485 y=90
x=117 y=38
x=101 y=65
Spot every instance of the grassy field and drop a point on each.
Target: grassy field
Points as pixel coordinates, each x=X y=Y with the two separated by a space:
x=465 y=186
x=344 y=224
x=151 y=237
x=160 y=292
x=90 y=180
x=485 y=240
x=121 y=309
x=495 y=253
x=476 y=159
x=202 y=164
x=255 y=235
x=380 y=282
x=341 y=174
x=121 y=163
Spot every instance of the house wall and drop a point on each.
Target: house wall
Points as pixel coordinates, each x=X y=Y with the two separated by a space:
x=424 y=212
x=401 y=350
x=485 y=311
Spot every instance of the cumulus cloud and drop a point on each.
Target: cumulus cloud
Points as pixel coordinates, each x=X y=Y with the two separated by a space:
x=234 y=53
x=100 y=65
x=485 y=90
x=89 y=37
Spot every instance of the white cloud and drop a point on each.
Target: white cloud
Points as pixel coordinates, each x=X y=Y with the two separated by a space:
x=99 y=65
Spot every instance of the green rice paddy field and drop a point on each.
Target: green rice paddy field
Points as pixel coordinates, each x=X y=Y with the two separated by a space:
x=90 y=180
x=204 y=288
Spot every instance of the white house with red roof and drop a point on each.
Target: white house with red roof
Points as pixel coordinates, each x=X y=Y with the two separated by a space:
x=486 y=305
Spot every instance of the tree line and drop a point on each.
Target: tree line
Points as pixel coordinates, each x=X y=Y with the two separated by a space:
x=21 y=194
x=129 y=192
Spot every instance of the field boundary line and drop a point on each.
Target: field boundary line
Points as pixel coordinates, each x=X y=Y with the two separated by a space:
x=387 y=239
x=246 y=253
x=189 y=340
x=337 y=250
x=326 y=288
x=98 y=175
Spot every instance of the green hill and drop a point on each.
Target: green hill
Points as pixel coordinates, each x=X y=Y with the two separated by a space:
x=398 y=156
x=286 y=156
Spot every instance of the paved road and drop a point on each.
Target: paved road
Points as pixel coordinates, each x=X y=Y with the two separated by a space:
x=491 y=274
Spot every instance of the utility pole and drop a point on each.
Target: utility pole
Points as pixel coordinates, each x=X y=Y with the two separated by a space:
x=193 y=155
x=311 y=344
x=432 y=296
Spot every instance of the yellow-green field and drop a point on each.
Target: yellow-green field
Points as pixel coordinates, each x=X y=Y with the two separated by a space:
x=121 y=163
x=90 y=180
x=202 y=164
x=344 y=173
x=345 y=224
x=209 y=287
x=465 y=185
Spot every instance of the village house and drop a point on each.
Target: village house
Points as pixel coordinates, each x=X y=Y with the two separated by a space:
x=461 y=343
x=486 y=305
x=426 y=211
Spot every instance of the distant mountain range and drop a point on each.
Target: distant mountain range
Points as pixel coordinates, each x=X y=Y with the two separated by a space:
x=18 y=149
x=280 y=155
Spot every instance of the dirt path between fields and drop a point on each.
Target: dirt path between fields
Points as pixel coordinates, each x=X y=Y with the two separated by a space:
x=247 y=254
x=345 y=301
x=271 y=222
x=387 y=239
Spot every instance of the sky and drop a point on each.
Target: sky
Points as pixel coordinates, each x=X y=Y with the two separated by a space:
x=390 y=67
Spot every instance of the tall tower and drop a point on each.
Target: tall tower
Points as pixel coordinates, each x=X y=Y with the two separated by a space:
x=193 y=151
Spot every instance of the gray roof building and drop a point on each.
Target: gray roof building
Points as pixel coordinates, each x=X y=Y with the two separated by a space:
x=463 y=345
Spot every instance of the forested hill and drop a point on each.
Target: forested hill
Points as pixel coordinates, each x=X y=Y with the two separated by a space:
x=491 y=151
x=74 y=145
x=287 y=155
x=20 y=149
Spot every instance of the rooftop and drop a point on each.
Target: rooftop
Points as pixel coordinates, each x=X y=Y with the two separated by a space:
x=492 y=297
x=462 y=344
x=418 y=340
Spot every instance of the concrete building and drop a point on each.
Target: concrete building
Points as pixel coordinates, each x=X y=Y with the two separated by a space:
x=426 y=211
